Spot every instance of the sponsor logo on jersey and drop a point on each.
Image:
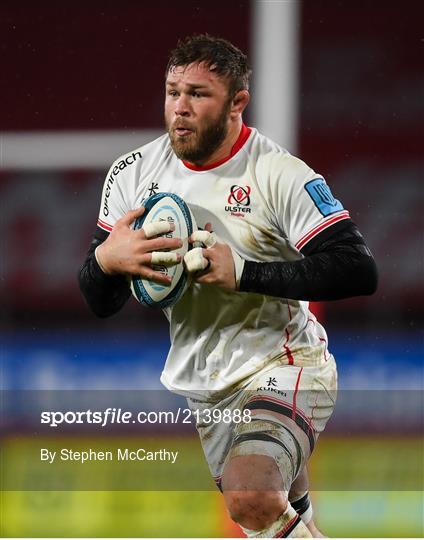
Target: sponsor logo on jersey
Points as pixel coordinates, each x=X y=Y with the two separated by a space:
x=239 y=200
x=323 y=199
x=120 y=166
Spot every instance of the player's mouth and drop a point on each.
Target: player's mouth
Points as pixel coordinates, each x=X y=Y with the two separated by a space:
x=183 y=131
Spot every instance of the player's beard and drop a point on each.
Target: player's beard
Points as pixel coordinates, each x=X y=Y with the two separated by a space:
x=202 y=141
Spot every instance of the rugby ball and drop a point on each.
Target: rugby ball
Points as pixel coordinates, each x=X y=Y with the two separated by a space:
x=165 y=207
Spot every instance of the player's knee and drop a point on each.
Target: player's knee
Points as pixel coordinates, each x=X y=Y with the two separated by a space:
x=255 y=510
x=254 y=490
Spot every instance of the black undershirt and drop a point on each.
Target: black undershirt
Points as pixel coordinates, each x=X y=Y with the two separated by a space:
x=104 y=294
x=337 y=264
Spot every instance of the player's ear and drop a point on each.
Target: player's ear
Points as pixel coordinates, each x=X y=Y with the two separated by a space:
x=240 y=101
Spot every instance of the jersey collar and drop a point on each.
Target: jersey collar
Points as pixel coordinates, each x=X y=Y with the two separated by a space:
x=242 y=138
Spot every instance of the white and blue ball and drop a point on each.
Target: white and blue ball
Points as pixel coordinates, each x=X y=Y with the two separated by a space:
x=165 y=207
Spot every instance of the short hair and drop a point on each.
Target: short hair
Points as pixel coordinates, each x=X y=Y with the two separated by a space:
x=218 y=54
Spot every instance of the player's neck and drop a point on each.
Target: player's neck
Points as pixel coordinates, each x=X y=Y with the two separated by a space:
x=224 y=150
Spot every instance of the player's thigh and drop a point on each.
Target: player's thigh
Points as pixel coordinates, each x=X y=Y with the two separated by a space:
x=279 y=415
x=289 y=407
x=216 y=431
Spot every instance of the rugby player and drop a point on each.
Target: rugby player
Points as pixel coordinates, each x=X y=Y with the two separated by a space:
x=242 y=336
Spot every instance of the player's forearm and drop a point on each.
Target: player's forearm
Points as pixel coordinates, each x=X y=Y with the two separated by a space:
x=105 y=295
x=319 y=277
x=337 y=266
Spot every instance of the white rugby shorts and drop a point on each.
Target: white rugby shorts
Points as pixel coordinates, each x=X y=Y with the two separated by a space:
x=289 y=407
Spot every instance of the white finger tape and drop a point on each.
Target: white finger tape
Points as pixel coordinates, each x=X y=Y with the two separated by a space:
x=206 y=238
x=156 y=228
x=194 y=260
x=165 y=258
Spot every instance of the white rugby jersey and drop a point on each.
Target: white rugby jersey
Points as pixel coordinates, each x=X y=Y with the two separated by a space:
x=266 y=204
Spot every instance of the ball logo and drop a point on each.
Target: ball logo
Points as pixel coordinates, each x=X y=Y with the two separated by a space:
x=239 y=195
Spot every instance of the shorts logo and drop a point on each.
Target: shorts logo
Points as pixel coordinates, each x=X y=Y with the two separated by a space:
x=271 y=389
x=239 y=201
x=323 y=199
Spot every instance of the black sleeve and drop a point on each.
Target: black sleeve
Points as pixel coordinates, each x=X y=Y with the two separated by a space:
x=337 y=264
x=104 y=294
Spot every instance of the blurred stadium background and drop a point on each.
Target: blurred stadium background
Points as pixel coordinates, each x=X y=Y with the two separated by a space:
x=82 y=83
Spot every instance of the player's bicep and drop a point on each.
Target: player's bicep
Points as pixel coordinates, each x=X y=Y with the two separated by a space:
x=314 y=210
x=303 y=202
x=341 y=234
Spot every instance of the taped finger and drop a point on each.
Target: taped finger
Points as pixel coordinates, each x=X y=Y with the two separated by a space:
x=194 y=260
x=156 y=228
x=206 y=238
x=165 y=258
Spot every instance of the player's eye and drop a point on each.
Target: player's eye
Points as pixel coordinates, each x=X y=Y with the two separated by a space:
x=197 y=94
x=172 y=93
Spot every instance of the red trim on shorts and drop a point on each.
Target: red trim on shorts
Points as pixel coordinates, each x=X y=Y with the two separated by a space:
x=103 y=225
x=314 y=407
x=287 y=527
x=242 y=138
x=266 y=403
x=296 y=388
x=313 y=232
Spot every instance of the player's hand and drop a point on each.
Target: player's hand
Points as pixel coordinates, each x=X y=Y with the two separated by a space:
x=134 y=252
x=213 y=264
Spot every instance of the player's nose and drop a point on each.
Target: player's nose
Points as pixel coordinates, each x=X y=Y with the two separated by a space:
x=182 y=106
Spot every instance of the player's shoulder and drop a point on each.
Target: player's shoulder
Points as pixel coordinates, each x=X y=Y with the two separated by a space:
x=264 y=145
x=277 y=163
x=141 y=157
